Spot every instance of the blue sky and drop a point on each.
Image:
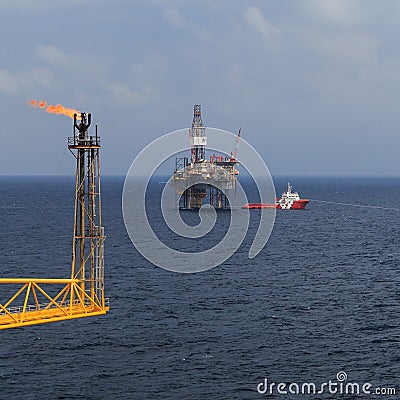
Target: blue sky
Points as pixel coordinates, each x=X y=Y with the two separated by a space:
x=314 y=84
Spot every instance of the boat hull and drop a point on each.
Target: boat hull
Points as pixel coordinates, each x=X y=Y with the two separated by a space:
x=296 y=205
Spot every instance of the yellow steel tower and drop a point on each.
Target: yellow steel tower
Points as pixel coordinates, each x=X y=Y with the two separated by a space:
x=36 y=301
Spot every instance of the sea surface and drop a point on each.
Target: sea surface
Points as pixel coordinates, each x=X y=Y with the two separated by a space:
x=322 y=297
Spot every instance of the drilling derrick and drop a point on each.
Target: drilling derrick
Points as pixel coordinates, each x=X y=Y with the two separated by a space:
x=41 y=300
x=198 y=139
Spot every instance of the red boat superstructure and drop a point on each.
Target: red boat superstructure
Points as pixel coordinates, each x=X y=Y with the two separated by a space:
x=288 y=201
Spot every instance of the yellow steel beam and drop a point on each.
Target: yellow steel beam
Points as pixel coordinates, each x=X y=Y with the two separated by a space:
x=66 y=289
x=37 y=280
x=35 y=297
x=79 y=297
x=28 y=291
x=50 y=299
x=8 y=313
x=16 y=295
x=40 y=319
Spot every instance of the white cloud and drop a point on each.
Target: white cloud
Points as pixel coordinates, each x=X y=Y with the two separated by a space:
x=123 y=94
x=42 y=76
x=175 y=18
x=52 y=55
x=348 y=48
x=16 y=82
x=256 y=20
x=178 y=20
x=8 y=82
x=45 y=5
x=336 y=11
x=77 y=66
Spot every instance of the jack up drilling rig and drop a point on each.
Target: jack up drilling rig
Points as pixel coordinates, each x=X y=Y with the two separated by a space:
x=41 y=300
x=193 y=181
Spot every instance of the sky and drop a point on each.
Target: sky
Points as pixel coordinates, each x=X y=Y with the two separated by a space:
x=314 y=84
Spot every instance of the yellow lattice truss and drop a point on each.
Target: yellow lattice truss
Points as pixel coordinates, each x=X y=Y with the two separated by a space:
x=32 y=304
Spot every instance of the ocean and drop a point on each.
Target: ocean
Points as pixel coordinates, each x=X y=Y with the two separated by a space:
x=321 y=298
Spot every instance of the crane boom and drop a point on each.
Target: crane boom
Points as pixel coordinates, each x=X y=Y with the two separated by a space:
x=235 y=148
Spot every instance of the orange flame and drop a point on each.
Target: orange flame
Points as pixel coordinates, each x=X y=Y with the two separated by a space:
x=57 y=109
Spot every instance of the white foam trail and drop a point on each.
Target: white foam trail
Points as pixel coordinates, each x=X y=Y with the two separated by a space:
x=355 y=205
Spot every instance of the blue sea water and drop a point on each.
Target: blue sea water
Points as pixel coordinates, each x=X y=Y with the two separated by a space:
x=322 y=297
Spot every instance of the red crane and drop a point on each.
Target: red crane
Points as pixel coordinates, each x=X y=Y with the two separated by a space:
x=235 y=148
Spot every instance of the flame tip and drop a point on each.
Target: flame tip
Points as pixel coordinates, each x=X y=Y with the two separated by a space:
x=53 y=109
